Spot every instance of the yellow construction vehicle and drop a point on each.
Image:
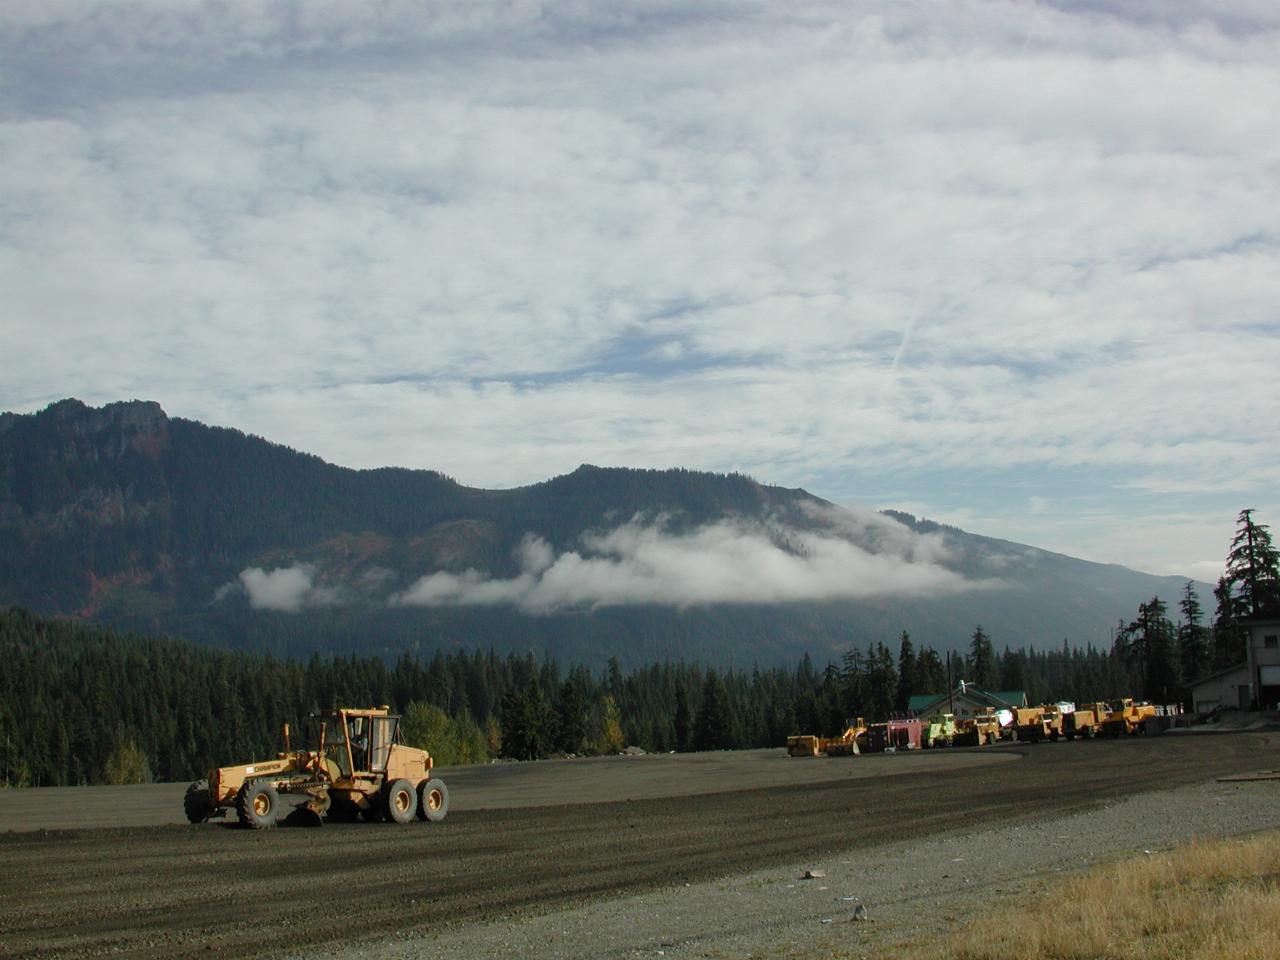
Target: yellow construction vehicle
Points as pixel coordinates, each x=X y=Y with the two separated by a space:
x=358 y=766
x=845 y=745
x=1038 y=723
x=804 y=745
x=980 y=729
x=1085 y=721
x=939 y=731
x=1127 y=716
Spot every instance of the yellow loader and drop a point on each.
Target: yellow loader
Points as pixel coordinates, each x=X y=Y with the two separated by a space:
x=358 y=766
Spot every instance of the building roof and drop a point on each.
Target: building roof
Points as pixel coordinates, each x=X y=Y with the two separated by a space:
x=1242 y=666
x=974 y=694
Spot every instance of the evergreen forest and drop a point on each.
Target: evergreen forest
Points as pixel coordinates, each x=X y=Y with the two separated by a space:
x=86 y=705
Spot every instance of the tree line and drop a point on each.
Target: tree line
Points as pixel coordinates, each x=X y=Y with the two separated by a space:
x=83 y=705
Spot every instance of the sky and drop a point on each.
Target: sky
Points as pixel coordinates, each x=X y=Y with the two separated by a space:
x=1010 y=266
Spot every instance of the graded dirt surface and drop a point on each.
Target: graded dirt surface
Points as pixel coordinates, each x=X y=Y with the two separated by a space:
x=531 y=839
x=502 y=785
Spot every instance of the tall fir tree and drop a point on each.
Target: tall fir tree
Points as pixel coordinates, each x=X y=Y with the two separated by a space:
x=1193 y=639
x=1253 y=568
x=1229 y=639
x=713 y=728
x=1147 y=646
x=684 y=721
x=571 y=731
x=851 y=686
x=528 y=723
x=982 y=658
x=1013 y=671
x=908 y=673
x=933 y=672
x=882 y=680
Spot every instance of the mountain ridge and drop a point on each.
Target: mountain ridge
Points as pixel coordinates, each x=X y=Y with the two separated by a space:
x=123 y=515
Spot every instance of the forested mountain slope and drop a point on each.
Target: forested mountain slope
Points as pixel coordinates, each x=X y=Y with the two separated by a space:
x=124 y=516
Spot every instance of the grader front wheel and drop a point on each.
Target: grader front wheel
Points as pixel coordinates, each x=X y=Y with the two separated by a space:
x=196 y=803
x=400 y=801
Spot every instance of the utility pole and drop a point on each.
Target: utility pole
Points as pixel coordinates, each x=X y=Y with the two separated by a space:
x=951 y=703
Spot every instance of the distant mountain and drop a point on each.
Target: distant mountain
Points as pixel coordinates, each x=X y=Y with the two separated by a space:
x=124 y=516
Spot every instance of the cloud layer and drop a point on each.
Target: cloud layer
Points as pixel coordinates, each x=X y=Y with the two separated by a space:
x=1007 y=263
x=726 y=562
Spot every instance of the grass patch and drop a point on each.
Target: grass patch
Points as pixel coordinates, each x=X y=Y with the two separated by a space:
x=1208 y=899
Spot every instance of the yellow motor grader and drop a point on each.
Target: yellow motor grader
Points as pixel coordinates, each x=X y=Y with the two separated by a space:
x=358 y=767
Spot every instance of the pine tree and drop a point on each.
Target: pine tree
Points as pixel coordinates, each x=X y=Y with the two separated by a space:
x=908 y=674
x=882 y=681
x=526 y=722
x=684 y=721
x=933 y=673
x=1253 y=568
x=713 y=729
x=846 y=693
x=1193 y=643
x=1013 y=670
x=570 y=719
x=982 y=658
x=1147 y=646
x=1229 y=639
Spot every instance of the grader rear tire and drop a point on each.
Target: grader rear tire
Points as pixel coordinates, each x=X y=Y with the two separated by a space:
x=433 y=800
x=258 y=805
x=196 y=802
x=399 y=801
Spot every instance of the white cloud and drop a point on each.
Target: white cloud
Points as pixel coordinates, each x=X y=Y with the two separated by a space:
x=284 y=589
x=725 y=562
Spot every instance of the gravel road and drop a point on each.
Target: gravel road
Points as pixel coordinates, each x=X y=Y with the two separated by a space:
x=712 y=873
x=907 y=889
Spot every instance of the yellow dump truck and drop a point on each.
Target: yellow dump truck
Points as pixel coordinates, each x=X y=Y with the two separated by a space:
x=939 y=731
x=1085 y=721
x=1038 y=723
x=980 y=729
x=1127 y=716
x=357 y=766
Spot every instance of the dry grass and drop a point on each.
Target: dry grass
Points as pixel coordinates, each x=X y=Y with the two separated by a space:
x=1218 y=900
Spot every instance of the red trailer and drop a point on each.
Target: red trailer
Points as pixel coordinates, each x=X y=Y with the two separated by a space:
x=894 y=735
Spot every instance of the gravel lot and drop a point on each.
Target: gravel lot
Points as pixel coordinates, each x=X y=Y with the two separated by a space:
x=908 y=889
x=698 y=855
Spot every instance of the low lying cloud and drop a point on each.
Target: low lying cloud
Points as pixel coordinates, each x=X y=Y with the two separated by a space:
x=284 y=589
x=724 y=562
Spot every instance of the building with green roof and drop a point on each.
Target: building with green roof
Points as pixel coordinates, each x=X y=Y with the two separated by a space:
x=965 y=701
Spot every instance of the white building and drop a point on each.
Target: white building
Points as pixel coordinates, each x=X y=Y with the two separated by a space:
x=1253 y=684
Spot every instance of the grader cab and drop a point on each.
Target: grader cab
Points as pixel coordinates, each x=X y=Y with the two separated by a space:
x=357 y=766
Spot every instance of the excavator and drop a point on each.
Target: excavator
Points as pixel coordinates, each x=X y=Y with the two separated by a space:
x=357 y=766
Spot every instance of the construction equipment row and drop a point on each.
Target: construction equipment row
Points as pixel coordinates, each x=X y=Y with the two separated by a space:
x=1046 y=722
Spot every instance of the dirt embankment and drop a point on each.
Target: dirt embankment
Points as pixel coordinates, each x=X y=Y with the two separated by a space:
x=602 y=830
